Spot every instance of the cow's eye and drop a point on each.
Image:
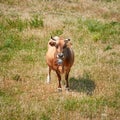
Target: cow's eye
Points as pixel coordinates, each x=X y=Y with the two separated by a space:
x=56 y=46
x=64 y=46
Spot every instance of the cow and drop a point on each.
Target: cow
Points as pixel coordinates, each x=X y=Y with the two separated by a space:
x=59 y=58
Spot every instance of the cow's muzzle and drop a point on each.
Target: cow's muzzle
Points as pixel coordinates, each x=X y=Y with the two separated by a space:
x=60 y=57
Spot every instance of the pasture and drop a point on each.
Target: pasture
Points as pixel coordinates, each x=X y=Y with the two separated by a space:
x=94 y=29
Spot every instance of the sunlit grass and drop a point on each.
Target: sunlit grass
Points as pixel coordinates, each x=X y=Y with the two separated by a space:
x=94 y=78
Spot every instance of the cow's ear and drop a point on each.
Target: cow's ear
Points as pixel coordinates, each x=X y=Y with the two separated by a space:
x=68 y=42
x=52 y=43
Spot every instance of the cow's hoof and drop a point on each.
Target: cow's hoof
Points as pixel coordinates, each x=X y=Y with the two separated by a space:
x=59 y=89
x=67 y=89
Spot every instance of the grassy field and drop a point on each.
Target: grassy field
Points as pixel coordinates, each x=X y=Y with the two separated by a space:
x=94 y=29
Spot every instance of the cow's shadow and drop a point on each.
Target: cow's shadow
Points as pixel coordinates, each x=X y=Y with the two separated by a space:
x=84 y=85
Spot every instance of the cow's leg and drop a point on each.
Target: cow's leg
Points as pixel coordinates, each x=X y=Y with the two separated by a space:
x=59 y=80
x=49 y=76
x=66 y=78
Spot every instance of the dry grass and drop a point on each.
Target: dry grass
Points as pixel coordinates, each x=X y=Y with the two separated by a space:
x=25 y=28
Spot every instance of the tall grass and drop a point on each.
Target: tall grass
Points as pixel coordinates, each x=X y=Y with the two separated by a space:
x=105 y=32
x=36 y=22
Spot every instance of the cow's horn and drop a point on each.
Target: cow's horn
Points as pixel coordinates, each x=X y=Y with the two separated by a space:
x=67 y=39
x=53 y=38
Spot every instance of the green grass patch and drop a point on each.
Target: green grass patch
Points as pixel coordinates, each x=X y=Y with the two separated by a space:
x=9 y=2
x=108 y=47
x=90 y=107
x=71 y=104
x=10 y=41
x=92 y=104
x=114 y=100
x=108 y=0
x=16 y=77
x=5 y=57
x=36 y=22
x=44 y=116
x=57 y=32
x=100 y=31
x=2 y=93
x=17 y=23
x=28 y=58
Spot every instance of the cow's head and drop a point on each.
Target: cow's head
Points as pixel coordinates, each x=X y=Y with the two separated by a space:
x=60 y=45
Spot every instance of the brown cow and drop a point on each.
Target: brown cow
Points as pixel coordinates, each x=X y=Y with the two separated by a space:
x=60 y=58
